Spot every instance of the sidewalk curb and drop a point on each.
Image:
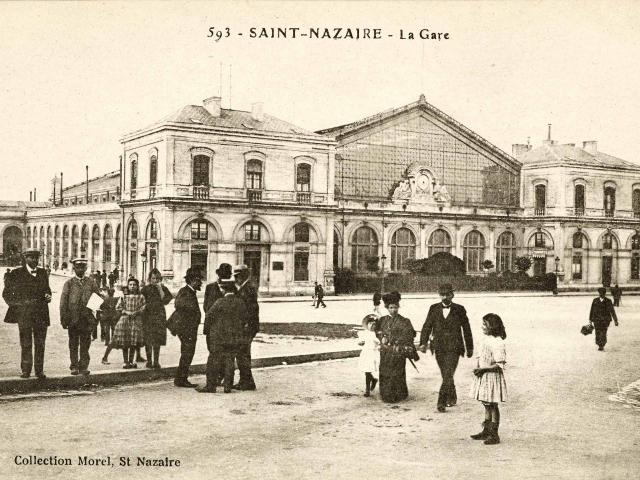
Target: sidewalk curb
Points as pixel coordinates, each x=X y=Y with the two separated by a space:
x=103 y=379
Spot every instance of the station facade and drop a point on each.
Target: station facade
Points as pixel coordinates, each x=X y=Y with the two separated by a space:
x=208 y=185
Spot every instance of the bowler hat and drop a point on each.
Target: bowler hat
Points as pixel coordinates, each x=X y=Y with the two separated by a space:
x=224 y=270
x=445 y=288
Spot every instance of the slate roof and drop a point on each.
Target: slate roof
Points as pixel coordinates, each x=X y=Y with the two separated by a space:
x=573 y=156
x=195 y=115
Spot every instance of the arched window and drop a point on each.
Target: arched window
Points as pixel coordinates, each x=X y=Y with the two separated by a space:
x=578 y=199
x=609 y=242
x=41 y=240
x=56 y=242
x=153 y=170
x=403 y=246
x=65 y=243
x=506 y=252
x=301 y=252
x=254 y=174
x=636 y=203
x=49 y=238
x=201 y=170
x=133 y=179
x=609 y=201
x=578 y=242
x=132 y=233
x=337 y=251
x=117 y=259
x=635 y=257
x=541 y=199
x=152 y=230
x=84 y=243
x=539 y=240
x=364 y=244
x=253 y=232
x=95 y=244
x=303 y=177
x=29 y=239
x=199 y=230
x=75 y=241
x=107 y=246
x=439 y=241
x=473 y=251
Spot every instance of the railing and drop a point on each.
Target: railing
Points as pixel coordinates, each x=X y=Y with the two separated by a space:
x=579 y=212
x=303 y=197
x=254 y=195
x=539 y=211
x=201 y=191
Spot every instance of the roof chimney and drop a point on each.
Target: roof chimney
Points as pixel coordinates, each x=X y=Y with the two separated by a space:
x=257 y=111
x=548 y=141
x=590 y=146
x=213 y=105
x=518 y=149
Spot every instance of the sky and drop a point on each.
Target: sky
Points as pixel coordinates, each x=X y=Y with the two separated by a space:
x=76 y=77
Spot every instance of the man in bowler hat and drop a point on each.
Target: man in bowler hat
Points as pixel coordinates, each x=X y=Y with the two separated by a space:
x=27 y=293
x=249 y=294
x=447 y=322
x=600 y=316
x=76 y=317
x=188 y=310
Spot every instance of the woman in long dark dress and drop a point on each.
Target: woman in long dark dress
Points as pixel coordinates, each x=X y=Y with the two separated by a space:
x=396 y=344
x=154 y=320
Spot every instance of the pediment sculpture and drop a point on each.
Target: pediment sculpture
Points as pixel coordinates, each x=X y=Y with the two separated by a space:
x=420 y=186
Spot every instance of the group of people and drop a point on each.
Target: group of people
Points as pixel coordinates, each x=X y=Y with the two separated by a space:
x=138 y=319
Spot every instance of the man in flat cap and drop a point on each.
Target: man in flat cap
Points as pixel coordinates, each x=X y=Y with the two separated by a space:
x=249 y=294
x=76 y=317
x=27 y=292
x=448 y=323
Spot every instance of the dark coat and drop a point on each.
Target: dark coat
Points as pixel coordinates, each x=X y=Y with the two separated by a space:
x=73 y=303
x=249 y=294
x=212 y=293
x=25 y=296
x=154 y=317
x=602 y=312
x=396 y=336
x=448 y=332
x=188 y=309
x=228 y=321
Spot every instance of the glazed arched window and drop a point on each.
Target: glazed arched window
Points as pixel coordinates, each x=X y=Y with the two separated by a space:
x=579 y=242
x=201 y=170
x=578 y=199
x=364 y=245
x=303 y=177
x=153 y=170
x=473 y=251
x=301 y=233
x=95 y=243
x=506 y=252
x=609 y=201
x=152 y=230
x=132 y=233
x=541 y=199
x=134 y=173
x=403 y=246
x=254 y=174
x=107 y=243
x=439 y=241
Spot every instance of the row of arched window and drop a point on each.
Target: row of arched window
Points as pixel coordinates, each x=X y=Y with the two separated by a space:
x=364 y=244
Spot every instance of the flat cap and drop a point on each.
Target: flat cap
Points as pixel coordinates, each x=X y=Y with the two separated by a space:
x=79 y=260
x=31 y=252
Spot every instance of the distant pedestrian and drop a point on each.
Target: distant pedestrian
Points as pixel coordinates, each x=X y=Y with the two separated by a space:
x=369 y=359
x=449 y=325
x=128 y=334
x=154 y=324
x=76 y=318
x=187 y=318
x=112 y=279
x=319 y=296
x=26 y=291
x=489 y=386
x=616 y=293
x=103 y=279
x=600 y=316
x=6 y=274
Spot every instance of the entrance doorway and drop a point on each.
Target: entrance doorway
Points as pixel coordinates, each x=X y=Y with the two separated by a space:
x=539 y=266
x=253 y=259
x=607 y=263
x=199 y=262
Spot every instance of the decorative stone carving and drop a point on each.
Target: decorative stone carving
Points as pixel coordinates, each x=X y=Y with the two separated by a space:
x=402 y=191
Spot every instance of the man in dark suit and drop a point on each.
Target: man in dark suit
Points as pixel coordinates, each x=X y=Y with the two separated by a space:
x=27 y=293
x=616 y=293
x=447 y=324
x=600 y=316
x=188 y=310
x=249 y=294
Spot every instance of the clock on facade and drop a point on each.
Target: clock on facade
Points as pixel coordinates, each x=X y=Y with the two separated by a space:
x=423 y=182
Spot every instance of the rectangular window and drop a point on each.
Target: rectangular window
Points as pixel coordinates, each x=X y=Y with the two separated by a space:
x=199 y=231
x=301 y=266
x=252 y=232
x=254 y=180
x=576 y=267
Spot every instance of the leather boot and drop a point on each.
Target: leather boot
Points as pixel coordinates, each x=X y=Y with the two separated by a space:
x=484 y=433
x=492 y=438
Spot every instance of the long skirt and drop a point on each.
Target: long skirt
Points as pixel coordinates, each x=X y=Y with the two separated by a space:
x=128 y=332
x=154 y=330
x=393 y=377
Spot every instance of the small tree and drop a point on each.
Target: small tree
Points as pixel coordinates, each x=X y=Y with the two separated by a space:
x=523 y=264
x=372 y=263
x=487 y=264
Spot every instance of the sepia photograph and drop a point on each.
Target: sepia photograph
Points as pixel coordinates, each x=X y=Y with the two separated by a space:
x=302 y=240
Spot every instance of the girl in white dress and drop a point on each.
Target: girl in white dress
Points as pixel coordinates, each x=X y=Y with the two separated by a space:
x=489 y=386
x=370 y=355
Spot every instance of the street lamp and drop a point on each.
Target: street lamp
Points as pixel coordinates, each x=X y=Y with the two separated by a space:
x=557 y=260
x=383 y=258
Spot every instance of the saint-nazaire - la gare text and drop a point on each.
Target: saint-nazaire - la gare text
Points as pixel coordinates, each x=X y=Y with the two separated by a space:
x=346 y=33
